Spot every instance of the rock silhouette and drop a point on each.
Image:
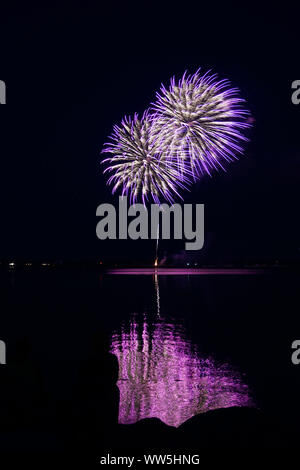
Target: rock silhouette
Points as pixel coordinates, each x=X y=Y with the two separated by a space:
x=88 y=423
x=96 y=401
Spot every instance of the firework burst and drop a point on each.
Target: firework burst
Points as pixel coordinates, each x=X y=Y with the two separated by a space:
x=138 y=166
x=199 y=122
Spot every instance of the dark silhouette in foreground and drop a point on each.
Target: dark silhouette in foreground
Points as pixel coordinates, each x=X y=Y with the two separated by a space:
x=87 y=425
x=96 y=399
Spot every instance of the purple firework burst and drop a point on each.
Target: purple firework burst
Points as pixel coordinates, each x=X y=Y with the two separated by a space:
x=200 y=121
x=137 y=165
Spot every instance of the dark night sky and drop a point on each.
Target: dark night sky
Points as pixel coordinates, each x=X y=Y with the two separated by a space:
x=73 y=71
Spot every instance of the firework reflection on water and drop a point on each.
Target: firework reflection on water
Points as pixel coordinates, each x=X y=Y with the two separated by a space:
x=162 y=375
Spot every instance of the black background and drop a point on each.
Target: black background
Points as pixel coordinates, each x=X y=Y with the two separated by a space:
x=73 y=70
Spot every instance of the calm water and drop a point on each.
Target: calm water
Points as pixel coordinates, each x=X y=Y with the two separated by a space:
x=163 y=375
x=185 y=343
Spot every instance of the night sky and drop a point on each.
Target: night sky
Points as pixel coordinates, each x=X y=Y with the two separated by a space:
x=73 y=71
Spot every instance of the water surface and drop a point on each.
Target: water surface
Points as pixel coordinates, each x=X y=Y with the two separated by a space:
x=163 y=375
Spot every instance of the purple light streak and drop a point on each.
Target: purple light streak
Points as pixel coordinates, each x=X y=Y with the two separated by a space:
x=162 y=375
x=192 y=129
x=200 y=121
x=137 y=165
